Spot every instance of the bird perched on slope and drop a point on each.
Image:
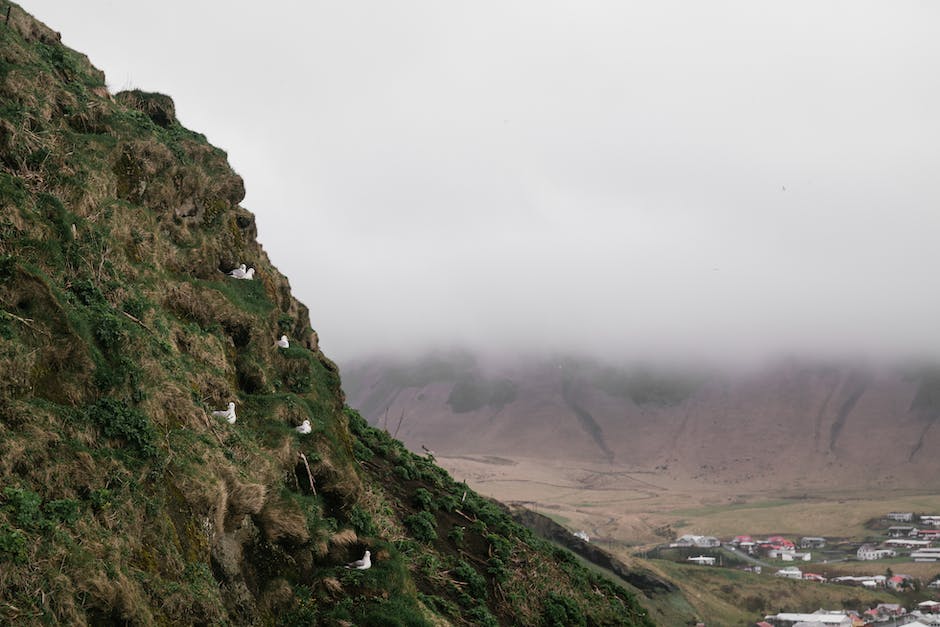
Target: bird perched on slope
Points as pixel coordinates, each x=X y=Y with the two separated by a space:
x=228 y=414
x=304 y=428
x=364 y=564
x=239 y=272
x=249 y=274
x=283 y=342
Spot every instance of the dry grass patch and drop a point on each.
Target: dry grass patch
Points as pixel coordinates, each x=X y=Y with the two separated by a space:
x=282 y=521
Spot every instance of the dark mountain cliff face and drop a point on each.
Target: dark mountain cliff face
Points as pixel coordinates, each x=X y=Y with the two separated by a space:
x=122 y=498
x=790 y=422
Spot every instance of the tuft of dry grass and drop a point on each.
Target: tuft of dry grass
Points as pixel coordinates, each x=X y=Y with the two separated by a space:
x=282 y=521
x=242 y=499
x=332 y=585
x=118 y=597
x=343 y=538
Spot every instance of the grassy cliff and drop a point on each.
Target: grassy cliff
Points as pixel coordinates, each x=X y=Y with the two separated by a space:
x=122 y=500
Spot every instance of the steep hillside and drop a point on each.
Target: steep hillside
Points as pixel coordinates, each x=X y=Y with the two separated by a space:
x=790 y=424
x=123 y=500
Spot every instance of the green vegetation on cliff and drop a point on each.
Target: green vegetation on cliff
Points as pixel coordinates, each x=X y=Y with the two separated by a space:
x=121 y=498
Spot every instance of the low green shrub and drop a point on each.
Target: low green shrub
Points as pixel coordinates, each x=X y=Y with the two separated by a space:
x=561 y=611
x=422 y=526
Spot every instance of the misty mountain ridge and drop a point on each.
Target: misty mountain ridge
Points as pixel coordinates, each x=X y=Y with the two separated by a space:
x=804 y=421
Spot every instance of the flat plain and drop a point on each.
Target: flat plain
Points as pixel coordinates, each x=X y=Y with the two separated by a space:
x=637 y=507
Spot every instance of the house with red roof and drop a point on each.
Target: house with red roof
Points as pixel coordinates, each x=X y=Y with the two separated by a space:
x=898 y=582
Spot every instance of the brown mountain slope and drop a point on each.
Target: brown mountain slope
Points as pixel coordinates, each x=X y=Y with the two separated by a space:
x=790 y=422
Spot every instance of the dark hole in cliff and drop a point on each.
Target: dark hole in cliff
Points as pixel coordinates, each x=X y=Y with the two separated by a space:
x=218 y=573
x=240 y=333
x=24 y=304
x=108 y=616
x=250 y=380
x=243 y=221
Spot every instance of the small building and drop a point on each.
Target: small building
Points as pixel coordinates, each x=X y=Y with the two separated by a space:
x=820 y=618
x=898 y=582
x=889 y=609
x=929 y=607
x=908 y=543
x=871 y=552
x=866 y=581
x=930 y=520
x=814 y=577
x=900 y=516
x=812 y=542
x=790 y=572
x=926 y=555
x=934 y=585
x=705 y=542
x=899 y=531
x=702 y=560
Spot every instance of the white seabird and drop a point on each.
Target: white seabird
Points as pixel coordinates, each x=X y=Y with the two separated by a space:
x=304 y=428
x=283 y=342
x=249 y=274
x=239 y=272
x=228 y=414
x=364 y=564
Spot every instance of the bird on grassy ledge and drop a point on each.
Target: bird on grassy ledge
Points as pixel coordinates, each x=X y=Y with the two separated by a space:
x=228 y=414
x=249 y=274
x=304 y=428
x=239 y=272
x=283 y=342
x=364 y=564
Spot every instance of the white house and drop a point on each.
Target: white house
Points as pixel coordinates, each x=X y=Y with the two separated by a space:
x=789 y=556
x=908 y=543
x=871 y=552
x=705 y=542
x=812 y=542
x=900 y=516
x=926 y=555
x=702 y=560
x=790 y=572
x=829 y=619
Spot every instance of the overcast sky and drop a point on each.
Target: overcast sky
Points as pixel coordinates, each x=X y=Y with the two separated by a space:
x=633 y=178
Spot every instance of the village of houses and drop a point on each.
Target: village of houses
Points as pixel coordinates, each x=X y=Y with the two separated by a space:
x=914 y=537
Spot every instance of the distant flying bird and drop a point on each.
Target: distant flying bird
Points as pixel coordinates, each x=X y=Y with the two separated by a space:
x=239 y=272
x=304 y=428
x=364 y=564
x=228 y=414
x=283 y=342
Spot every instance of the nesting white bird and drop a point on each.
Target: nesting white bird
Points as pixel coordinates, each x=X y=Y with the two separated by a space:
x=239 y=272
x=364 y=564
x=283 y=342
x=228 y=414
x=304 y=428
x=249 y=274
